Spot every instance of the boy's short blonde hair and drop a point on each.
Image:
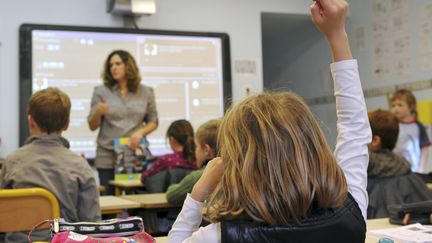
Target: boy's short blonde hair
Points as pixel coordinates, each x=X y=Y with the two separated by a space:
x=207 y=134
x=407 y=96
x=50 y=109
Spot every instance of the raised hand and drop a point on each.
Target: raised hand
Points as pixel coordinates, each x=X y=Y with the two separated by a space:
x=329 y=15
x=329 y=18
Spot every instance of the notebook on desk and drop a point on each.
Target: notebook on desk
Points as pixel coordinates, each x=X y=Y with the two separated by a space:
x=415 y=233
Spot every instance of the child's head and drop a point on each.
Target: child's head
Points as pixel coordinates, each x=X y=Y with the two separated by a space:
x=276 y=162
x=385 y=129
x=403 y=104
x=49 y=109
x=180 y=133
x=206 y=141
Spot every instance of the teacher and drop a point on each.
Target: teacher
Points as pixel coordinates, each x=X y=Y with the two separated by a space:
x=121 y=107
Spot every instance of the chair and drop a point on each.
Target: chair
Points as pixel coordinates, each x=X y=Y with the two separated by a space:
x=395 y=190
x=176 y=175
x=22 y=209
x=156 y=183
x=160 y=182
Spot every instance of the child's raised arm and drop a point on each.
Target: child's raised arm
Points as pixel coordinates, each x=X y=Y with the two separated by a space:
x=352 y=124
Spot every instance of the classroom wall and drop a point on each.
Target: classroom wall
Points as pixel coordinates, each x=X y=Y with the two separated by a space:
x=240 y=19
x=392 y=40
x=299 y=60
x=294 y=60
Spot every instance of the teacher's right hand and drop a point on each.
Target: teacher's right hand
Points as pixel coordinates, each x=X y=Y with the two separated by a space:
x=102 y=109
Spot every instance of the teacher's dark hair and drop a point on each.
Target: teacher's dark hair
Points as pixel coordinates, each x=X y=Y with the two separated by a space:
x=132 y=73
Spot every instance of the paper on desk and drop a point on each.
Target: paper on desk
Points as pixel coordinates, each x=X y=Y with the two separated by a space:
x=415 y=233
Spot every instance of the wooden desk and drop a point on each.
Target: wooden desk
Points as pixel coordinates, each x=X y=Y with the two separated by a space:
x=375 y=224
x=161 y=239
x=151 y=200
x=113 y=205
x=151 y=204
x=121 y=186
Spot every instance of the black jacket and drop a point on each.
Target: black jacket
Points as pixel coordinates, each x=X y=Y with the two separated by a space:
x=344 y=224
x=390 y=182
x=394 y=190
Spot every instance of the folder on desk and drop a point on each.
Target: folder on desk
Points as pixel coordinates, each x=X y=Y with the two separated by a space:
x=130 y=163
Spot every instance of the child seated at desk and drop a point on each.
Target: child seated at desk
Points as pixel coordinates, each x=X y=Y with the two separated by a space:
x=46 y=161
x=276 y=179
x=180 y=136
x=205 y=150
x=390 y=180
x=382 y=161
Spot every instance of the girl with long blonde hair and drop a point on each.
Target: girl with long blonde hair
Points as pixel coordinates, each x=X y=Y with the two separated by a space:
x=276 y=179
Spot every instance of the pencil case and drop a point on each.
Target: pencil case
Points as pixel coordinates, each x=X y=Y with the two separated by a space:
x=411 y=213
x=105 y=228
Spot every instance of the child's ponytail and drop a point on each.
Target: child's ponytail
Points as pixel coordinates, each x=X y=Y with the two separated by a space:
x=189 y=149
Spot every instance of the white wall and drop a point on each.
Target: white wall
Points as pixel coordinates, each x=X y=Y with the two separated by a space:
x=299 y=61
x=239 y=18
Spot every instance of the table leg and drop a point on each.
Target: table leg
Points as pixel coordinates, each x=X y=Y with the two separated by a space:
x=118 y=191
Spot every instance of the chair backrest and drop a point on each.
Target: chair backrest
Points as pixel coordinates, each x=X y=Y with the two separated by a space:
x=395 y=190
x=176 y=175
x=160 y=182
x=22 y=209
x=156 y=183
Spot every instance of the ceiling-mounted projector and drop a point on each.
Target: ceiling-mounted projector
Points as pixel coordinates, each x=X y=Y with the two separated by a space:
x=131 y=7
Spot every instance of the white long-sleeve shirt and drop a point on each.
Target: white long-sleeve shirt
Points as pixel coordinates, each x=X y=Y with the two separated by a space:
x=351 y=153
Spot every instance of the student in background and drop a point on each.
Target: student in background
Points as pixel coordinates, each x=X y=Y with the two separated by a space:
x=413 y=140
x=276 y=178
x=390 y=180
x=180 y=136
x=382 y=161
x=205 y=150
x=46 y=161
x=121 y=107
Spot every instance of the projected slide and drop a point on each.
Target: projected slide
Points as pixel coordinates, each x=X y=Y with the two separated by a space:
x=186 y=73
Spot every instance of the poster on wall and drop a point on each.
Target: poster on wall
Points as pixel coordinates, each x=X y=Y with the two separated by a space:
x=425 y=38
x=392 y=41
